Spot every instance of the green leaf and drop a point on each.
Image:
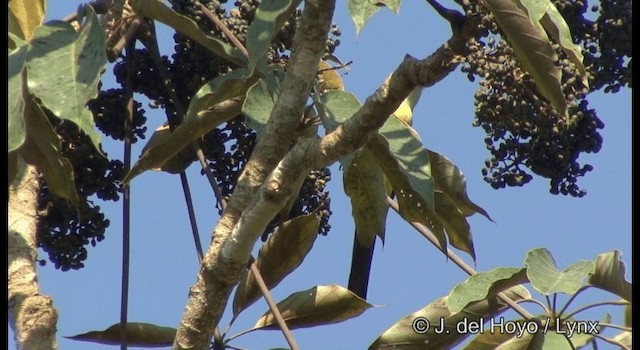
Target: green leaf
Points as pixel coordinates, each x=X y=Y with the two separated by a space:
x=320 y=305
x=454 y=223
x=483 y=285
x=405 y=162
x=280 y=255
x=404 y=143
x=157 y=10
x=168 y=150
x=260 y=100
x=224 y=87
x=180 y=161
x=393 y=5
x=625 y=338
x=64 y=68
x=15 y=103
x=440 y=331
x=142 y=335
x=449 y=179
x=535 y=9
x=12 y=166
x=627 y=316
x=546 y=279
x=545 y=12
x=361 y=11
x=25 y=16
x=42 y=149
x=609 y=275
x=528 y=341
x=161 y=149
x=269 y=18
x=336 y=107
x=364 y=184
x=532 y=48
x=554 y=340
x=491 y=340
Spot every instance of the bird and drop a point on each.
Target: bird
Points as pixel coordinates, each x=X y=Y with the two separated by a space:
x=363 y=241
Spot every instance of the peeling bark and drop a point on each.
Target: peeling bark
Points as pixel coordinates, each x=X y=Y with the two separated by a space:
x=32 y=316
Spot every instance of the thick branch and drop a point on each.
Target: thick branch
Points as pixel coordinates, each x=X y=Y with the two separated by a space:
x=220 y=272
x=31 y=315
x=264 y=188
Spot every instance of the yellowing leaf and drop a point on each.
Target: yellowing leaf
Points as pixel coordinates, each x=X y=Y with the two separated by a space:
x=436 y=326
x=157 y=10
x=361 y=11
x=269 y=18
x=320 y=305
x=180 y=161
x=65 y=67
x=546 y=279
x=163 y=149
x=532 y=48
x=609 y=275
x=365 y=186
x=483 y=285
x=143 y=335
x=328 y=78
x=25 y=16
x=282 y=253
x=42 y=149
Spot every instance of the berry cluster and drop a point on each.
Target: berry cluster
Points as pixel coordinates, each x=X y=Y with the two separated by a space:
x=63 y=232
x=109 y=110
x=524 y=132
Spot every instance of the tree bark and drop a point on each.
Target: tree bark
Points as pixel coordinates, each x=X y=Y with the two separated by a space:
x=221 y=268
x=32 y=316
x=270 y=175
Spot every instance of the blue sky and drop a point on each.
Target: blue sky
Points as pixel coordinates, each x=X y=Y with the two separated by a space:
x=408 y=272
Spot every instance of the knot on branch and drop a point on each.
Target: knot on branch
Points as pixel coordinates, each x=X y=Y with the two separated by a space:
x=274 y=193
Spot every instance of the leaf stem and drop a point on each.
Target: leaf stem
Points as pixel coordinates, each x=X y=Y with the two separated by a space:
x=126 y=196
x=612 y=341
x=125 y=39
x=151 y=43
x=273 y=306
x=225 y=30
x=571 y=299
x=459 y=262
x=100 y=6
x=590 y=306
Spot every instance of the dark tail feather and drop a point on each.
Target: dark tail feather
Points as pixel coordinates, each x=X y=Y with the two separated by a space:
x=360 y=268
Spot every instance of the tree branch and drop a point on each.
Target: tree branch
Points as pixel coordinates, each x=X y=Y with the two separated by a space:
x=264 y=187
x=31 y=315
x=220 y=272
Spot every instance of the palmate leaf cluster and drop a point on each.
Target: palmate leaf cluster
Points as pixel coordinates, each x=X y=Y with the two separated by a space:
x=209 y=71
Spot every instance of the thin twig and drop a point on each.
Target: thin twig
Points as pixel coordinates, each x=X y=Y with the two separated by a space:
x=611 y=341
x=571 y=299
x=340 y=66
x=126 y=201
x=426 y=232
x=212 y=180
x=132 y=29
x=273 y=306
x=590 y=306
x=152 y=46
x=225 y=30
x=192 y=215
x=100 y=6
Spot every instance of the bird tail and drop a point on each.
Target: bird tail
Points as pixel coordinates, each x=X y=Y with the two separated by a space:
x=360 y=267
